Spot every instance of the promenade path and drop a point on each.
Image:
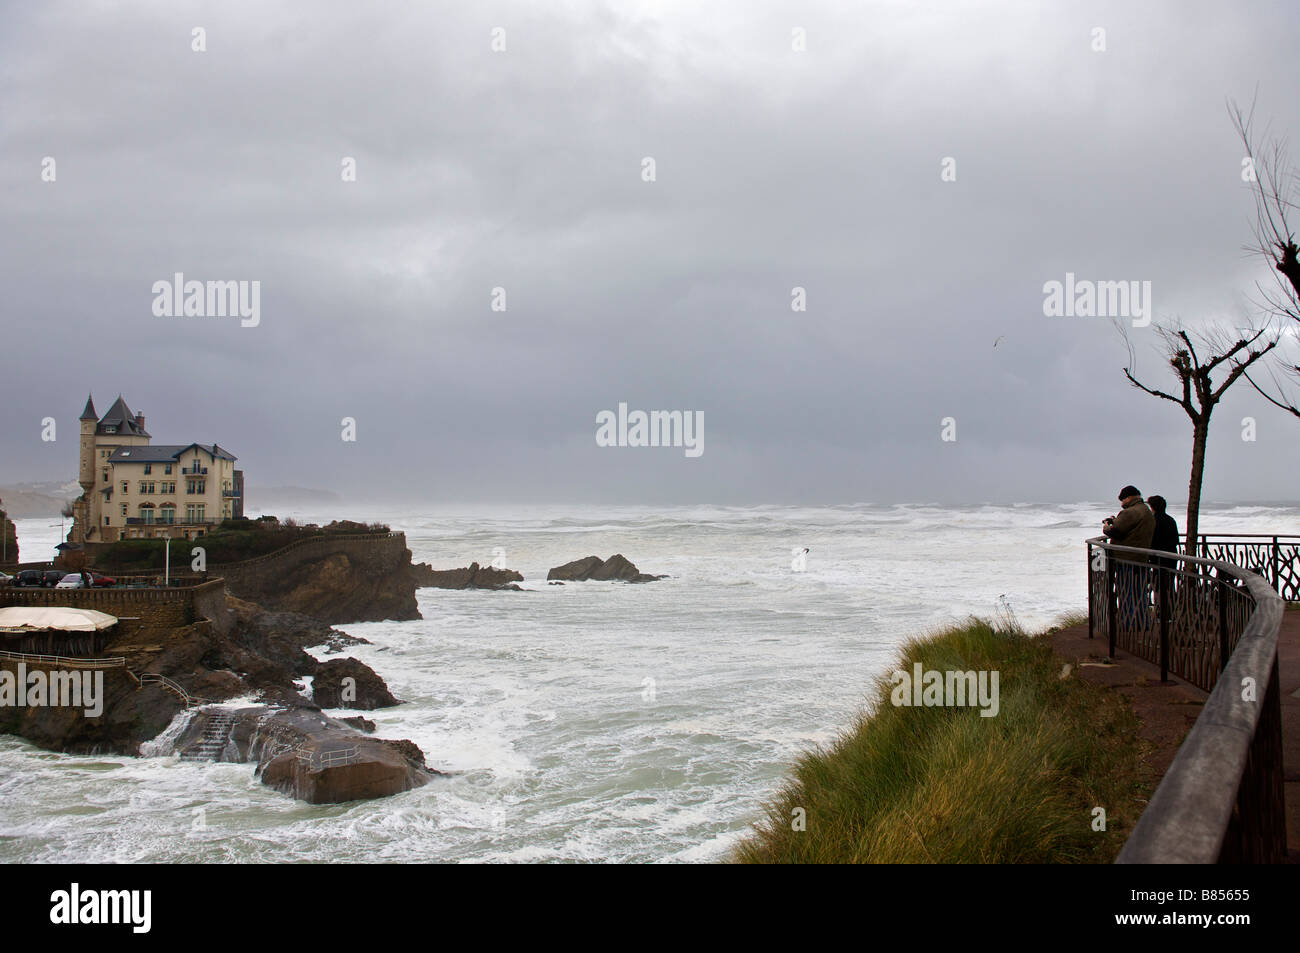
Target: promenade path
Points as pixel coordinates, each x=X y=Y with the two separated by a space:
x=1167 y=711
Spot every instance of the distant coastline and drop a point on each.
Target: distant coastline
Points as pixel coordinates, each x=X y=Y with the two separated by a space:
x=40 y=499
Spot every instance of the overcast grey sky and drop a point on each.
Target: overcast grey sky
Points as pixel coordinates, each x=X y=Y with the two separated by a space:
x=522 y=169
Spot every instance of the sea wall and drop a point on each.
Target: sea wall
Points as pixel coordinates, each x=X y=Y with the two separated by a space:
x=156 y=608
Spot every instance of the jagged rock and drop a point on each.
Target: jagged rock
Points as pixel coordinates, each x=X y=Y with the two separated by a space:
x=576 y=571
x=616 y=567
x=407 y=749
x=367 y=583
x=360 y=723
x=371 y=692
x=472 y=576
x=300 y=752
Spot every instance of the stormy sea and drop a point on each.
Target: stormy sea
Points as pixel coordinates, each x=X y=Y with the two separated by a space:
x=593 y=721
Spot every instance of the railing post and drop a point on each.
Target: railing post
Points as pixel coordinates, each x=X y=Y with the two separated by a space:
x=1163 y=588
x=1277 y=579
x=1092 y=590
x=1112 y=601
x=1224 y=650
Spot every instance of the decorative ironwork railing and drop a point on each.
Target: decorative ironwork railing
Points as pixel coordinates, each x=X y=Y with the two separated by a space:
x=1215 y=625
x=1276 y=558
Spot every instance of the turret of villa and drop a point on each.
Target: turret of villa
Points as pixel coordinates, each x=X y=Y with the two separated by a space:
x=135 y=489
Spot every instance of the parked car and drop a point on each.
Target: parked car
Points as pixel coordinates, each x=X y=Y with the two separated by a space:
x=100 y=580
x=73 y=580
x=30 y=577
x=6 y=579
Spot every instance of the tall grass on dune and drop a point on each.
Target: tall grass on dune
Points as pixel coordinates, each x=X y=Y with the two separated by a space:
x=945 y=785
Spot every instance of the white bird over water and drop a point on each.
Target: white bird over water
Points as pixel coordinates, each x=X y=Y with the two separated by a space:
x=800 y=561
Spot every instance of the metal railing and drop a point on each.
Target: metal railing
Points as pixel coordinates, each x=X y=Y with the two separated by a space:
x=1275 y=557
x=191 y=701
x=1215 y=625
x=115 y=661
x=333 y=758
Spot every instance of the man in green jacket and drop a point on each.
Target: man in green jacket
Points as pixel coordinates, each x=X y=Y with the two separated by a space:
x=1133 y=525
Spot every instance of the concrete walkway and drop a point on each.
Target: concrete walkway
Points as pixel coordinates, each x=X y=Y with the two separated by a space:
x=1167 y=712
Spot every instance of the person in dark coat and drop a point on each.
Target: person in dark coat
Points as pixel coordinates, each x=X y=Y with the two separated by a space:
x=1165 y=536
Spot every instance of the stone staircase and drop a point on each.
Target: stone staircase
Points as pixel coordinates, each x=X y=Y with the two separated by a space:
x=215 y=735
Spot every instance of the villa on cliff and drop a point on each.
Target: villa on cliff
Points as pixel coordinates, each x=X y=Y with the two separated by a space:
x=134 y=489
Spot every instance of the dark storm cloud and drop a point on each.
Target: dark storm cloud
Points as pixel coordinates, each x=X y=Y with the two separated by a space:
x=521 y=169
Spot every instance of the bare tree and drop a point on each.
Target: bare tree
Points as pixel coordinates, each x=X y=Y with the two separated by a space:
x=1198 y=394
x=1275 y=185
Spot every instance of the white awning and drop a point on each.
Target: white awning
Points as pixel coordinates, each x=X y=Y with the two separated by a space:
x=40 y=618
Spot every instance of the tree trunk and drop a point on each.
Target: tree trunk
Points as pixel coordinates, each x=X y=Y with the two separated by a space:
x=1200 y=431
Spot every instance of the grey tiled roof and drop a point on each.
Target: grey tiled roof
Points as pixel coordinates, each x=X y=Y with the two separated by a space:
x=164 y=453
x=121 y=417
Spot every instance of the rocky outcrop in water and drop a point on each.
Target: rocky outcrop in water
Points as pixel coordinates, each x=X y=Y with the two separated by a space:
x=472 y=576
x=365 y=691
x=617 y=567
x=299 y=752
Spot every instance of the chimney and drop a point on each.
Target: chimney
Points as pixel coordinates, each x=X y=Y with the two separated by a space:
x=139 y=420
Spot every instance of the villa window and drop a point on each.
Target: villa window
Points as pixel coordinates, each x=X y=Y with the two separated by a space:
x=167 y=514
x=167 y=469
x=123 y=509
x=126 y=487
x=148 y=469
x=146 y=512
x=105 y=476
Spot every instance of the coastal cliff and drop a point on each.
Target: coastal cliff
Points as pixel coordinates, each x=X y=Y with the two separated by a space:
x=337 y=579
x=8 y=540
